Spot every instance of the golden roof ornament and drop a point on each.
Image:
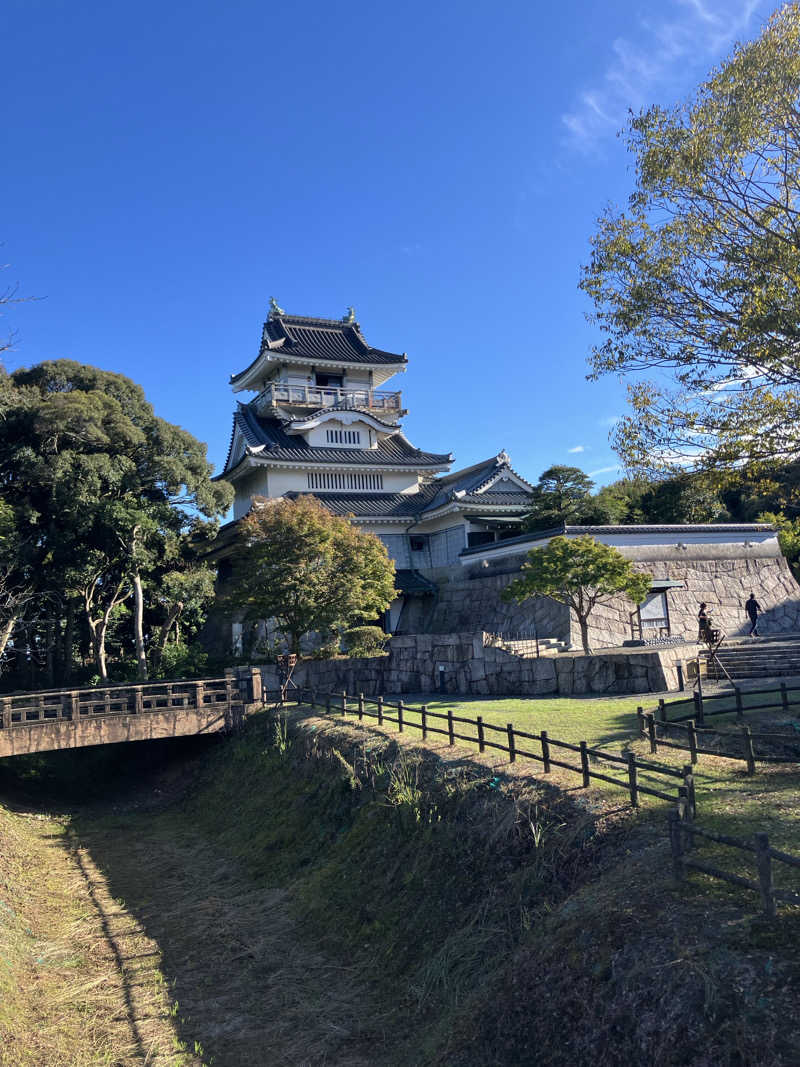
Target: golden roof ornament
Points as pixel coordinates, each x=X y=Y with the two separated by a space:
x=275 y=308
x=350 y=317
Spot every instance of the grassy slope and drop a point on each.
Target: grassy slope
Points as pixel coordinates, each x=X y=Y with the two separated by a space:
x=342 y=901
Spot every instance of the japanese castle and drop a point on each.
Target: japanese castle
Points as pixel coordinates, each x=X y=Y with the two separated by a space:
x=322 y=423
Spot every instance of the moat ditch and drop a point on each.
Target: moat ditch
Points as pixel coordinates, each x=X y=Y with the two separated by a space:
x=312 y=893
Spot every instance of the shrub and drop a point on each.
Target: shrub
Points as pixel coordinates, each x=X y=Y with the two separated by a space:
x=365 y=641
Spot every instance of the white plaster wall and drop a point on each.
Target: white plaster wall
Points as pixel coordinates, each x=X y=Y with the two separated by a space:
x=397 y=547
x=446 y=545
x=254 y=484
x=283 y=480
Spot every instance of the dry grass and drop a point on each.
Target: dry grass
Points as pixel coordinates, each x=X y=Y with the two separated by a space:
x=80 y=981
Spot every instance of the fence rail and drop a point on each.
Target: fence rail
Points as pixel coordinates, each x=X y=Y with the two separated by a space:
x=634 y=766
x=682 y=836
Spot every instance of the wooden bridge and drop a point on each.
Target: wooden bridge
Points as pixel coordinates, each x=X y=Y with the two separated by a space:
x=73 y=718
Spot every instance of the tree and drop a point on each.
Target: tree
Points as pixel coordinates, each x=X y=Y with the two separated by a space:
x=700 y=277
x=788 y=537
x=99 y=487
x=310 y=570
x=561 y=495
x=581 y=573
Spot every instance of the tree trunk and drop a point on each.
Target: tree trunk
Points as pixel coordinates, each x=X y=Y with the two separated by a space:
x=163 y=637
x=584 y=624
x=66 y=647
x=98 y=631
x=49 y=652
x=138 y=618
x=6 y=630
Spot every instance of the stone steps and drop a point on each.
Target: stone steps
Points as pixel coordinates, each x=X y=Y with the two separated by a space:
x=772 y=659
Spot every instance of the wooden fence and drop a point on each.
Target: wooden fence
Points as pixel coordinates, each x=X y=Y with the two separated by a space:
x=512 y=741
x=703 y=705
x=685 y=837
x=52 y=705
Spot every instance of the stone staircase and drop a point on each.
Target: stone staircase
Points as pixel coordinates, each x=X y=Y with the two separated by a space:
x=526 y=647
x=762 y=657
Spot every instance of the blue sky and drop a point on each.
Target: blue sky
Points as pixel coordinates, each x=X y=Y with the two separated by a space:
x=440 y=166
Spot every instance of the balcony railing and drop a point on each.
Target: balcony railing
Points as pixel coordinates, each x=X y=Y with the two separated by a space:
x=323 y=396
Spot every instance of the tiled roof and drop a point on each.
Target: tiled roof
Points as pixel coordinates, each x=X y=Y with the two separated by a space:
x=320 y=339
x=494 y=500
x=471 y=478
x=413 y=583
x=370 y=505
x=268 y=436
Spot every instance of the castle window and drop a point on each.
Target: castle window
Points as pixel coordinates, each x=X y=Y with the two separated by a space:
x=363 y=483
x=418 y=543
x=333 y=381
x=344 y=437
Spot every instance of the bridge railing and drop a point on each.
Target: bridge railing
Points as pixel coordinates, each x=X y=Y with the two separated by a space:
x=27 y=709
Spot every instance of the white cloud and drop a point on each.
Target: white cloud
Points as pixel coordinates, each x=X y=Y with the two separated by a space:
x=577 y=448
x=605 y=470
x=655 y=60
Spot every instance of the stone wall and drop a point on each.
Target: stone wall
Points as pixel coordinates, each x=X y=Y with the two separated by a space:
x=721 y=575
x=463 y=664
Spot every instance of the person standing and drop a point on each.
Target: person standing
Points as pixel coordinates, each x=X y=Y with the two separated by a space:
x=703 y=622
x=753 y=609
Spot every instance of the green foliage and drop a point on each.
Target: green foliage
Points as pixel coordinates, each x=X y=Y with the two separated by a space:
x=562 y=495
x=312 y=571
x=579 y=572
x=788 y=537
x=365 y=641
x=183 y=661
x=102 y=491
x=699 y=276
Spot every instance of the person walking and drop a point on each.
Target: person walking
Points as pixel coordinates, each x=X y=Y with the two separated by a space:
x=753 y=609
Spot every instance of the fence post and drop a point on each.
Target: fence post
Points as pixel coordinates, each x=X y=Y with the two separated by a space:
x=512 y=745
x=585 y=764
x=344 y=702
x=688 y=781
x=764 y=864
x=545 y=751
x=481 y=738
x=651 y=732
x=676 y=845
x=424 y=716
x=6 y=713
x=739 y=705
x=138 y=698
x=640 y=720
x=662 y=709
x=692 y=740
x=399 y=716
x=360 y=706
x=380 y=711
x=748 y=750
x=632 y=779
x=784 y=697
x=451 y=730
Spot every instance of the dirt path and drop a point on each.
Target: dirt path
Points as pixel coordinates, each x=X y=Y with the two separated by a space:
x=247 y=990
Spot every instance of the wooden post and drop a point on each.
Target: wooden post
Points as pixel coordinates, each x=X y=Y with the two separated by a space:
x=40 y=707
x=75 y=701
x=784 y=697
x=651 y=732
x=451 y=730
x=545 y=751
x=512 y=747
x=640 y=720
x=676 y=845
x=634 y=788
x=380 y=711
x=585 y=764
x=688 y=781
x=748 y=750
x=399 y=716
x=6 y=713
x=692 y=740
x=662 y=709
x=481 y=736
x=764 y=865
x=169 y=696
x=739 y=705
x=138 y=698
x=344 y=702
x=199 y=696
x=106 y=702
x=424 y=714
x=360 y=707
x=699 y=702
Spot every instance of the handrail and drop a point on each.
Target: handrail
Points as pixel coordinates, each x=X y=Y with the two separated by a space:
x=331 y=396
